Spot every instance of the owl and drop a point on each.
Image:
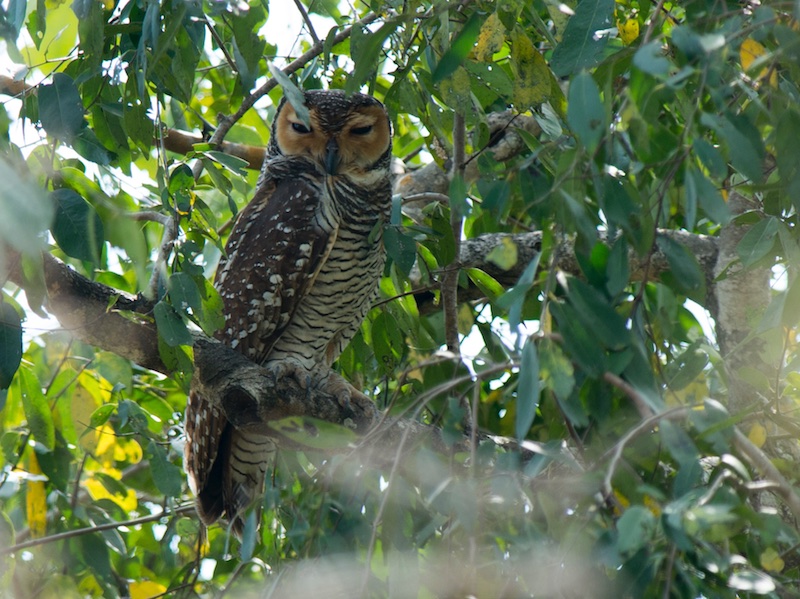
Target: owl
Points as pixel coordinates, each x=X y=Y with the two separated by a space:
x=300 y=269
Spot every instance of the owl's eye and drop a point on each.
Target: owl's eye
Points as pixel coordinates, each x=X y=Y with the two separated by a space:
x=300 y=128
x=361 y=130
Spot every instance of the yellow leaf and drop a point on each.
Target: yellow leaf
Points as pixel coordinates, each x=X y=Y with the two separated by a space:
x=146 y=589
x=97 y=491
x=128 y=450
x=35 y=499
x=532 y=79
x=490 y=39
x=465 y=319
x=504 y=255
x=652 y=505
x=456 y=90
x=749 y=51
x=757 y=435
x=628 y=31
x=105 y=442
x=771 y=560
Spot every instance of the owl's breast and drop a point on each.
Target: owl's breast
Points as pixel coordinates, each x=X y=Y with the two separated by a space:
x=331 y=312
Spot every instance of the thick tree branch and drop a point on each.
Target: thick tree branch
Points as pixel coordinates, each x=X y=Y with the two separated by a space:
x=95 y=313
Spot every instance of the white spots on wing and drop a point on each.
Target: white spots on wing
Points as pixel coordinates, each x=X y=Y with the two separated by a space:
x=304 y=249
x=234 y=344
x=284 y=228
x=268 y=297
x=275 y=279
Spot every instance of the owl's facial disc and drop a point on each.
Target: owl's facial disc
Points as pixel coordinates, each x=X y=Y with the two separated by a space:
x=348 y=143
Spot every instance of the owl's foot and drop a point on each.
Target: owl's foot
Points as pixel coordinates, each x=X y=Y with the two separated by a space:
x=346 y=395
x=289 y=368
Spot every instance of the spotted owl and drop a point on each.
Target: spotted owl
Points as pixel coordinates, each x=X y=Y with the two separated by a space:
x=300 y=269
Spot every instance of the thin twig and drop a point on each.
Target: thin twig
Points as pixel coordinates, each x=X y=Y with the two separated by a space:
x=644 y=426
x=221 y=44
x=759 y=459
x=69 y=534
x=307 y=19
x=152 y=216
x=427 y=197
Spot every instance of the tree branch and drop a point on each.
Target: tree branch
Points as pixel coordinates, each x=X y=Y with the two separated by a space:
x=95 y=313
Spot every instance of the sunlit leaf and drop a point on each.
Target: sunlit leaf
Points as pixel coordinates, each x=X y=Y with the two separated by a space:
x=37 y=410
x=36 y=499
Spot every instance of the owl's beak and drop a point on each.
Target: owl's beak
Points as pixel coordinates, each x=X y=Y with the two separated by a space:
x=331 y=157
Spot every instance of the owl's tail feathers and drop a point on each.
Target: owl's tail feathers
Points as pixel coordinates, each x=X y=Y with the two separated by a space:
x=226 y=466
x=246 y=457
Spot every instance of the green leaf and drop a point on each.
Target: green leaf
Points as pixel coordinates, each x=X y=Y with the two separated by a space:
x=650 y=59
x=513 y=299
x=31 y=209
x=583 y=42
x=527 y=389
x=92 y=550
x=183 y=292
x=77 y=228
x=711 y=158
x=679 y=444
x=555 y=369
x=486 y=283
x=758 y=241
x=597 y=314
x=461 y=46
x=89 y=146
x=585 y=112
x=685 y=368
x=401 y=248
x=100 y=416
x=60 y=108
x=635 y=529
x=293 y=94
x=313 y=433
x=387 y=341
x=742 y=142
x=709 y=197
x=171 y=327
x=579 y=342
x=248 y=536
x=233 y=163
x=367 y=54
x=37 y=410
x=167 y=477
x=686 y=273
x=10 y=343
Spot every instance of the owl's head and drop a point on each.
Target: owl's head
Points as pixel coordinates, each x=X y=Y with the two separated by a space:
x=348 y=135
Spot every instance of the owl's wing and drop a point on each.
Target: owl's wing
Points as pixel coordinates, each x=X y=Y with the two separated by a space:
x=277 y=247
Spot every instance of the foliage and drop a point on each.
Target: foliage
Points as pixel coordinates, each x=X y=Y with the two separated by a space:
x=622 y=470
